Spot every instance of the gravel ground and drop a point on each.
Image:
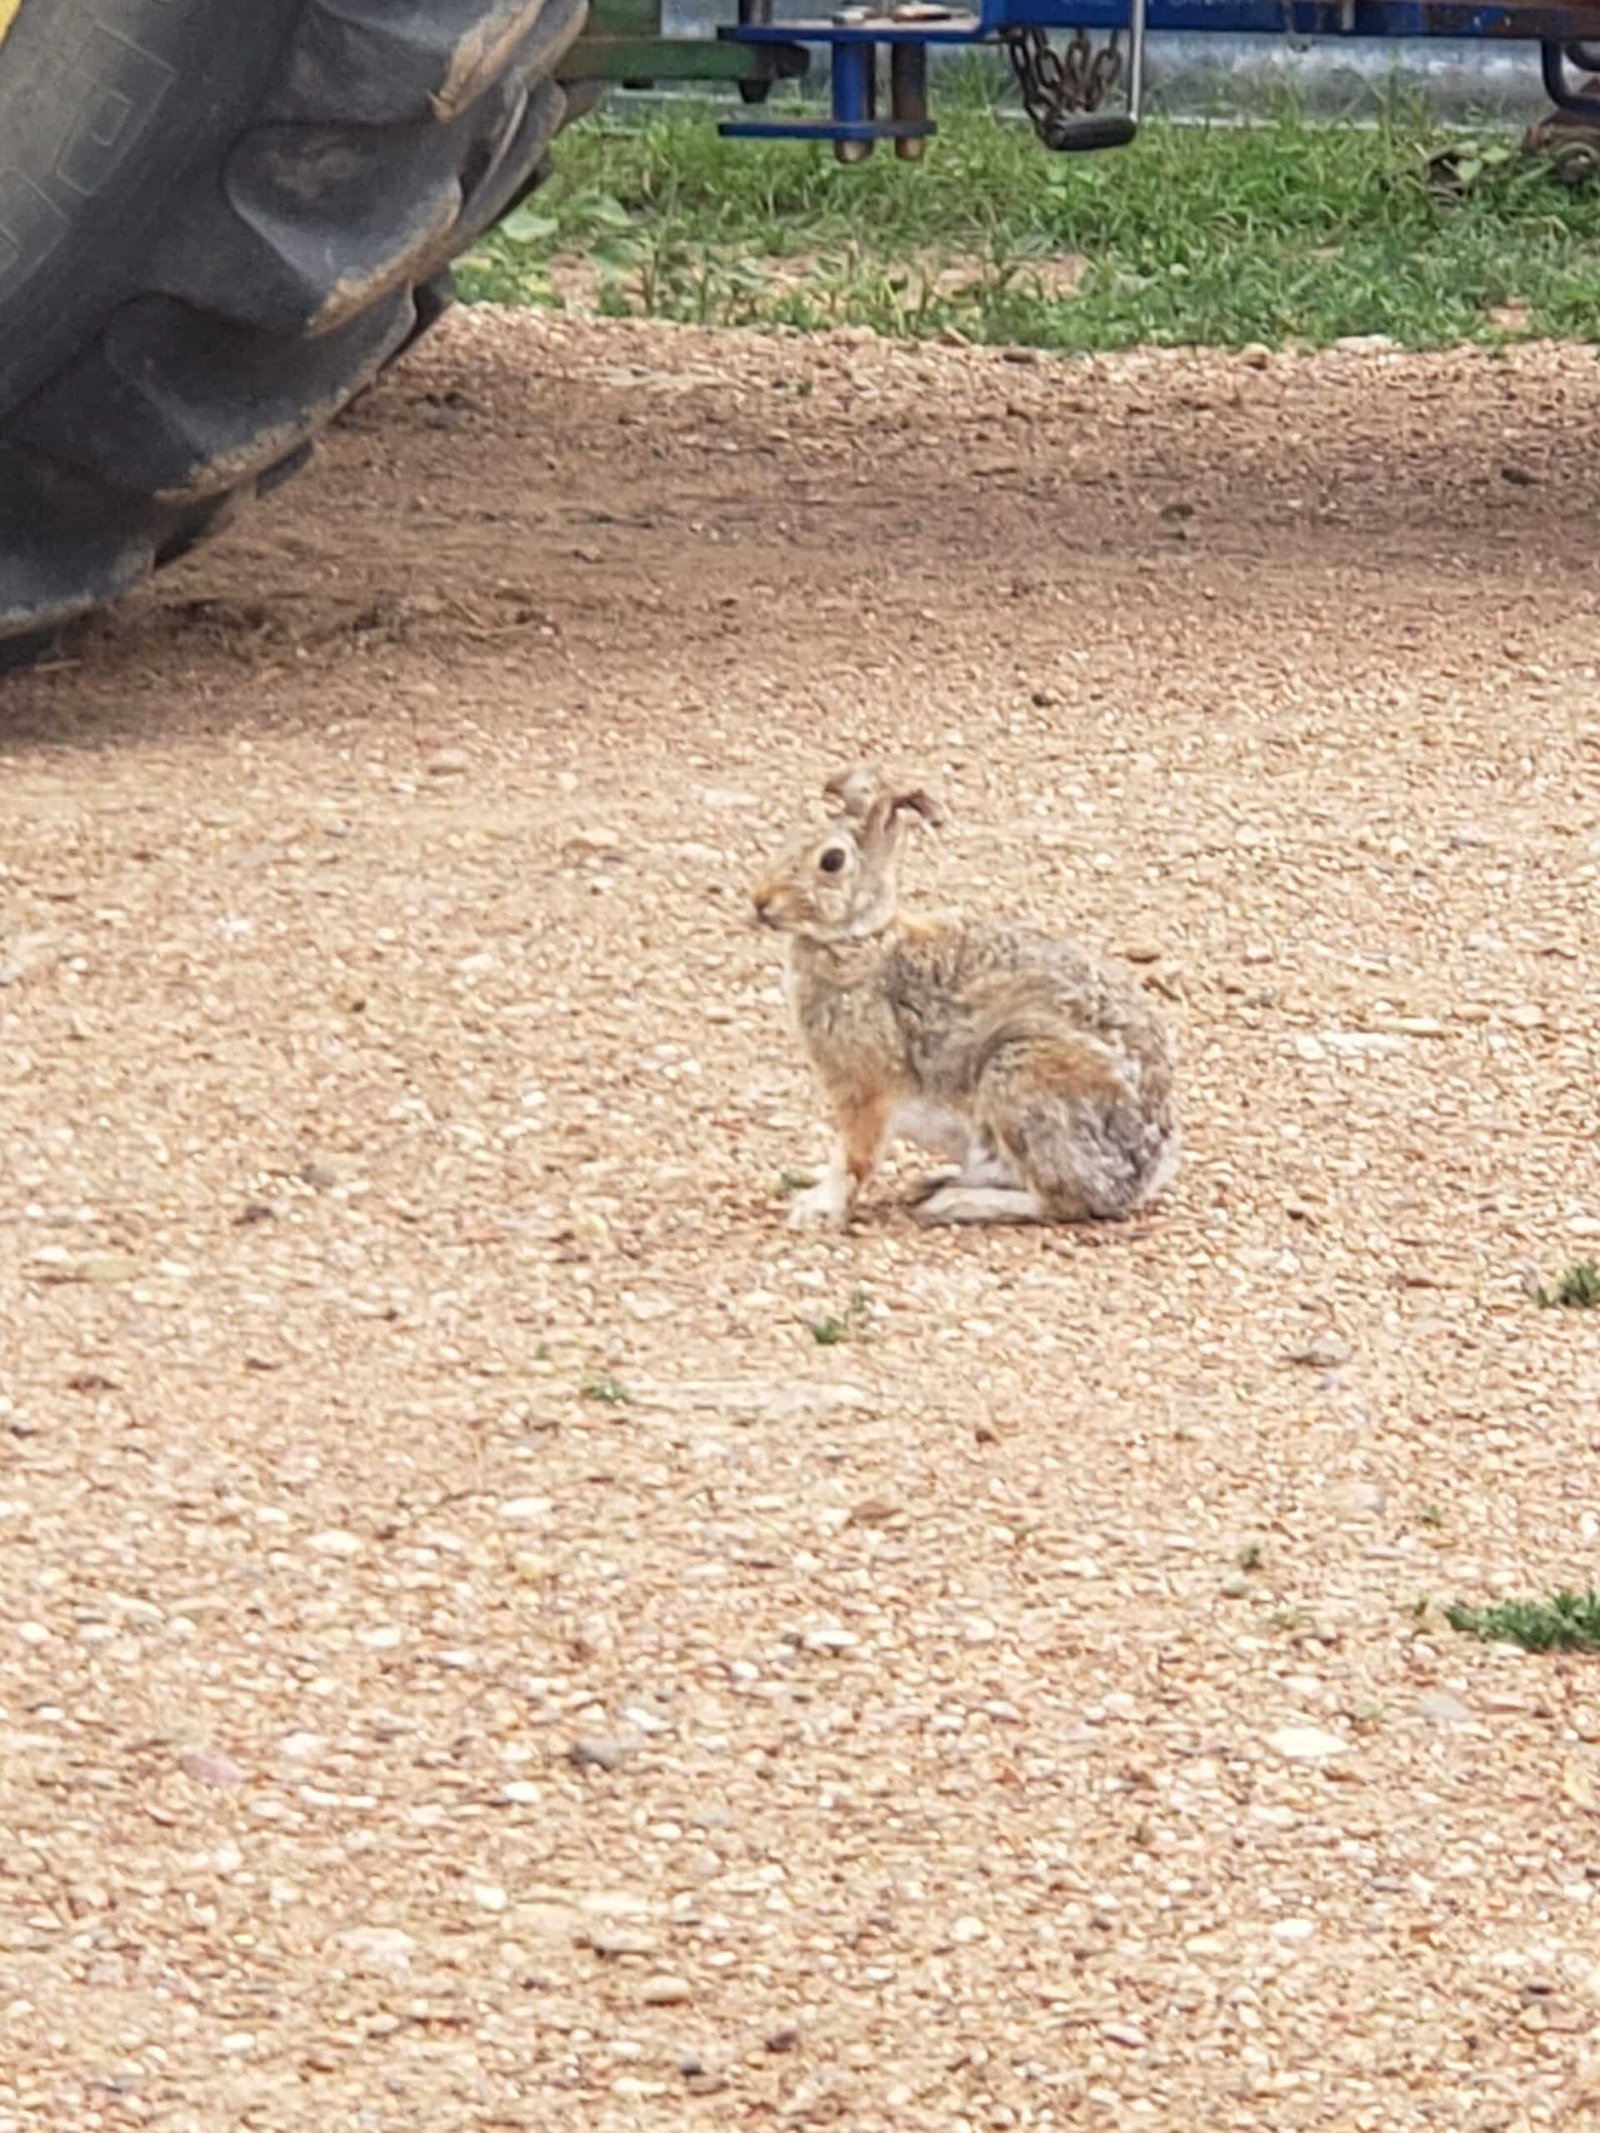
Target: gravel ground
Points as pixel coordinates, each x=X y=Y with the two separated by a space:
x=470 y=1655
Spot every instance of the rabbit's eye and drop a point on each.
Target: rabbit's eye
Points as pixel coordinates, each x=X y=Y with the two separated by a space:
x=832 y=860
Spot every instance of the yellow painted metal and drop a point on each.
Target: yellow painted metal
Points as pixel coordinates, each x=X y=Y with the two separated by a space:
x=9 y=11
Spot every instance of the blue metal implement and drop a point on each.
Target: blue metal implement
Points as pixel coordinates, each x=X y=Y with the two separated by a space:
x=855 y=36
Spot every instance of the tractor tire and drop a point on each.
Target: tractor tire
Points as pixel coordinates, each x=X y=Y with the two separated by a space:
x=217 y=224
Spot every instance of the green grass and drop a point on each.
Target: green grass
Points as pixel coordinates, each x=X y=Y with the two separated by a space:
x=609 y=1391
x=852 y=1323
x=1290 y=231
x=1577 y=1290
x=1569 y=1622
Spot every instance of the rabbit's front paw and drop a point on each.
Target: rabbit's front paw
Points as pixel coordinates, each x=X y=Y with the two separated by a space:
x=823 y=1206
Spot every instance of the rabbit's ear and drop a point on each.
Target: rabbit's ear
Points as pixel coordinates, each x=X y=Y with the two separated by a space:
x=888 y=807
x=853 y=791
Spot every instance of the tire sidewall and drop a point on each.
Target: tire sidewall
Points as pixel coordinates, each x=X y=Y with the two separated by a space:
x=108 y=110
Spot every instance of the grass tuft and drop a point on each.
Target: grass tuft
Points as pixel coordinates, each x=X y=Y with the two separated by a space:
x=852 y=1324
x=1568 y=1622
x=1577 y=1290
x=1287 y=231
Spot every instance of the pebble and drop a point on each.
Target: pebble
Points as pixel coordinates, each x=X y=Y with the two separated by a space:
x=1363 y=1043
x=1294 y=1929
x=380 y=1948
x=618 y=1941
x=209 y=1766
x=612 y=1903
x=1324 y=1351
x=336 y=1542
x=1306 y=1744
x=1443 y=1708
x=601 y=1751
x=448 y=763
x=526 y=1510
x=1254 y=355
x=489 y=1896
x=100 y=1269
x=1360 y=1499
x=665 y=1991
x=966 y=1930
x=1127 y=2034
x=830 y=1640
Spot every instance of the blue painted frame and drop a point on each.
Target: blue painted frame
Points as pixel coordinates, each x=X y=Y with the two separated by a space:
x=851 y=44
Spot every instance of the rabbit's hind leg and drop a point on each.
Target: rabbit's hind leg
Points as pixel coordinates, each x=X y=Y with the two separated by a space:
x=957 y=1202
x=1063 y=1115
x=980 y=1169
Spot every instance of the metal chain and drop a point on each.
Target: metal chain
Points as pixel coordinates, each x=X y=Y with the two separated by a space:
x=1057 y=86
x=1292 y=37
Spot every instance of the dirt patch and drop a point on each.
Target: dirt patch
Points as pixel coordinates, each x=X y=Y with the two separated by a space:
x=473 y=1654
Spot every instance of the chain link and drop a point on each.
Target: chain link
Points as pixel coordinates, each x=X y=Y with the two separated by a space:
x=1057 y=86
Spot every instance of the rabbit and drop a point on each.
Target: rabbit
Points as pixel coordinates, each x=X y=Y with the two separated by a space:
x=1046 y=1078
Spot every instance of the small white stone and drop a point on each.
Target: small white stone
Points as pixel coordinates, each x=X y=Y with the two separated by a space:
x=1294 y=1929
x=489 y=1896
x=336 y=1542
x=612 y=1903
x=1306 y=1744
x=526 y=1510
x=1324 y=1351
x=1363 y=1043
x=382 y=1948
x=966 y=1930
x=830 y=1640
x=665 y=1991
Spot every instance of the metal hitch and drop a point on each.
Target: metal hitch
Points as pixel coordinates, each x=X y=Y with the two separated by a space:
x=1062 y=92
